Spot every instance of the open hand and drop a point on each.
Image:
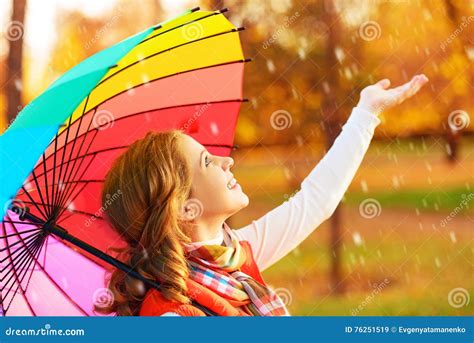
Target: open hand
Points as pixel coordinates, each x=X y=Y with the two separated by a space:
x=377 y=98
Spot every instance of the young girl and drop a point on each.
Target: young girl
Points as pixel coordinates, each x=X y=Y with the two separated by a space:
x=176 y=197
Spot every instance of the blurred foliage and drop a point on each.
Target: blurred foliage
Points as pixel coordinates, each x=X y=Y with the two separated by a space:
x=287 y=41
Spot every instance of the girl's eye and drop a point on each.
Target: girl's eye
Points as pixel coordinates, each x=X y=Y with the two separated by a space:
x=207 y=161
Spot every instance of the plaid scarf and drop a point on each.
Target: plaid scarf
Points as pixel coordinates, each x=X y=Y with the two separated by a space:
x=217 y=267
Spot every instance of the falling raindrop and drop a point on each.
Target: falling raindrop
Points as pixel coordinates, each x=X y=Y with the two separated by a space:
x=214 y=128
x=452 y=235
x=357 y=238
x=364 y=186
x=64 y=282
x=18 y=85
x=437 y=262
x=352 y=258
x=299 y=140
x=326 y=87
x=145 y=80
x=254 y=102
x=270 y=66
x=347 y=73
x=395 y=182
x=428 y=166
x=70 y=207
x=301 y=53
x=296 y=251
x=130 y=89
x=340 y=55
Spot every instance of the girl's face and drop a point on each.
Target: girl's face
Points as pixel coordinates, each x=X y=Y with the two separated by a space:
x=214 y=187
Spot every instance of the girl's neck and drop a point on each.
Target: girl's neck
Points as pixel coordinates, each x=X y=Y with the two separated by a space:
x=207 y=231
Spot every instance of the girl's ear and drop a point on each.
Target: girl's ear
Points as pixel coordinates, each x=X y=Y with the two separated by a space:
x=192 y=209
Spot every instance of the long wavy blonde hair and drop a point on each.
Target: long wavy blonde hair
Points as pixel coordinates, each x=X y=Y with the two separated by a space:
x=154 y=181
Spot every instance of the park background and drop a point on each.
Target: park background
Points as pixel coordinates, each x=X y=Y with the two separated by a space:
x=401 y=241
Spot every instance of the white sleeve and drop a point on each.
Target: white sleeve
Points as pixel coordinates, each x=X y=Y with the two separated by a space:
x=282 y=229
x=170 y=314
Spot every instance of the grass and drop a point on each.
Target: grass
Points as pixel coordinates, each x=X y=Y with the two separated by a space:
x=401 y=273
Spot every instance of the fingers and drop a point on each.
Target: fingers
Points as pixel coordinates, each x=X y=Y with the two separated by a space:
x=385 y=83
x=410 y=88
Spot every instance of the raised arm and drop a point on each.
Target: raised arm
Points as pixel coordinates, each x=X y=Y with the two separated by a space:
x=282 y=229
x=279 y=231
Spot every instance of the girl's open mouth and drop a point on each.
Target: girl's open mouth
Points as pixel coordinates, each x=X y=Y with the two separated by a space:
x=232 y=184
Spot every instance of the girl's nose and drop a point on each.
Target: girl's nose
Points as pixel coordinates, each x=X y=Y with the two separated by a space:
x=228 y=163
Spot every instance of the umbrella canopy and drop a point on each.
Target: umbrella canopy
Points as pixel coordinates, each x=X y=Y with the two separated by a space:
x=185 y=73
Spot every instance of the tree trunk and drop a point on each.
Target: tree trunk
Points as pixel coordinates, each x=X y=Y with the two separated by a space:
x=14 y=59
x=453 y=137
x=331 y=125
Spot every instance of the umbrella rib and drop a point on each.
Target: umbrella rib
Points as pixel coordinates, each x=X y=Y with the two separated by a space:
x=70 y=180
x=176 y=27
x=19 y=283
x=53 y=281
x=30 y=241
x=125 y=146
x=15 y=243
x=23 y=293
x=63 y=198
x=166 y=50
x=46 y=181
x=45 y=214
x=161 y=78
x=53 y=192
x=67 y=137
x=36 y=249
x=76 y=211
x=25 y=191
x=160 y=109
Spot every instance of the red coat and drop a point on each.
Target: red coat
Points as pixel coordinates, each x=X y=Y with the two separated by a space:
x=155 y=304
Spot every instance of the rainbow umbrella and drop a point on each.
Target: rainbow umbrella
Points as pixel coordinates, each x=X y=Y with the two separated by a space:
x=184 y=73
